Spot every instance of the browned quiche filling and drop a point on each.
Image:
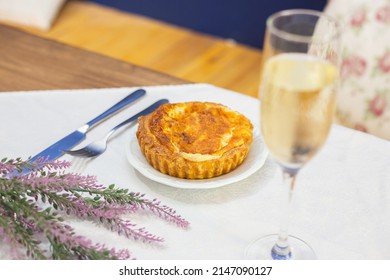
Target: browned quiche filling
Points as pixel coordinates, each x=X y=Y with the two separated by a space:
x=194 y=140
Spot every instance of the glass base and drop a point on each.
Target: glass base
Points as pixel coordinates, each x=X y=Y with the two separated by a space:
x=261 y=249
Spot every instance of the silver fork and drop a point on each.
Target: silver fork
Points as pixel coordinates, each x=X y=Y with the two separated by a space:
x=79 y=164
x=98 y=147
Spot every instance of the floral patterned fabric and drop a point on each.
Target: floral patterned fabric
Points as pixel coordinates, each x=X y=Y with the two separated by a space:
x=364 y=97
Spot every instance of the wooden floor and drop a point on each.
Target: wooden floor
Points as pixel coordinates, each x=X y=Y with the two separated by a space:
x=159 y=46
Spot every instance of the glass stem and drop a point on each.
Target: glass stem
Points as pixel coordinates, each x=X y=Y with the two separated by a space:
x=281 y=250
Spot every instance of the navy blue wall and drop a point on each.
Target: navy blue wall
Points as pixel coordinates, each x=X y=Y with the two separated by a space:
x=241 y=20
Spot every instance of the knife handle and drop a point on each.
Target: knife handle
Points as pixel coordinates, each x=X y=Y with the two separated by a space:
x=125 y=101
x=144 y=112
x=135 y=117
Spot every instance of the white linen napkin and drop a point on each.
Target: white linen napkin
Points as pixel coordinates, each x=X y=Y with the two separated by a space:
x=341 y=205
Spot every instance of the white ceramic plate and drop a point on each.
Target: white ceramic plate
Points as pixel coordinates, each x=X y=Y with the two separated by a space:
x=253 y=162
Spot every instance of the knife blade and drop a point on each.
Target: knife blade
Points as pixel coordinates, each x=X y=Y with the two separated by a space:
x=56 y=150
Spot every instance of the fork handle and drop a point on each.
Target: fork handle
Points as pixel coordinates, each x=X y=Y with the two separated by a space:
x=125 y=101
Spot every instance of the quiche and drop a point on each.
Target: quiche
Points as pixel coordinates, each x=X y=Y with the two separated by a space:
x=194 y=140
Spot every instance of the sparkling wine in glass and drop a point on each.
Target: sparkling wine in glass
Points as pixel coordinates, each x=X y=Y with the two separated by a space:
x=298 y=96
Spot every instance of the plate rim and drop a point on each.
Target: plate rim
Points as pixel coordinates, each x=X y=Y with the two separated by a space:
x=220 y=181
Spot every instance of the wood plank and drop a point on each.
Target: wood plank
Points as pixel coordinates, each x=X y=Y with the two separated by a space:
x=166 y=48
x=30 y=62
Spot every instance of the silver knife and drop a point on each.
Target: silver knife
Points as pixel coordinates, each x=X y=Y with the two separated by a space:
x=69 y=141
x=98 y=147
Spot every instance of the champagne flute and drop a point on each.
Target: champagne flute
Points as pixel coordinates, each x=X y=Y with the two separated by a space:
x=298 y=96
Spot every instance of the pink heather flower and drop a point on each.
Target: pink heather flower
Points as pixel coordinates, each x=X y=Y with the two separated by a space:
x=6 y=168
x=8 y=245
x=123 y=254
x=378 y=105
x=75 y=195
x=54 y=183
x=65 y=234
x=162 y=211
x=50 y=165
x=166 y=213
x=383 y=14
x=353 y=66
x=128 y=229
x=358 y=18
x=384 y=62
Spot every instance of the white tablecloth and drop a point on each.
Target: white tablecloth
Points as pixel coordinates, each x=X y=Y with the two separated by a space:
x=341 y=205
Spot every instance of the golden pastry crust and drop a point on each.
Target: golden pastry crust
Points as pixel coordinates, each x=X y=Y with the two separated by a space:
x=194 y=140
